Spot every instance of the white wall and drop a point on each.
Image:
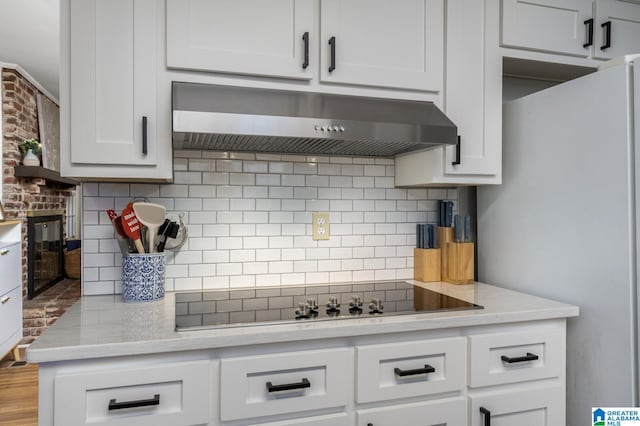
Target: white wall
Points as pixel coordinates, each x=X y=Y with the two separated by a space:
x=250 y=221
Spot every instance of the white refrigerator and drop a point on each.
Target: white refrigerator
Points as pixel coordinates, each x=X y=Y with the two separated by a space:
x=564 y=224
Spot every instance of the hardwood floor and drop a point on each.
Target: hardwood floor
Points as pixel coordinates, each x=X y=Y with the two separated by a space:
x=18 y=395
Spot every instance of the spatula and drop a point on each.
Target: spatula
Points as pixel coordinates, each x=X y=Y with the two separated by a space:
x=152 y=216
x=132 y=227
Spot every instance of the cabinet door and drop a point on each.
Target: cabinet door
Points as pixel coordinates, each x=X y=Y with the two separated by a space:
x=536 y=407
x=113 y=75
x=381 y=43
x=244 y=37
x=555 y=26
x=624 y=20
x=451 y=412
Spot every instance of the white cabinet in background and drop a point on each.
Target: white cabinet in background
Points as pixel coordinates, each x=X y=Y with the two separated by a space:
x=623 y=19
x=245 y=37
x=10 y=287
x=383 y=43
x=110 y=120
x=448 y=412
x=590 y=29
x=543 y=406
x=473 y=101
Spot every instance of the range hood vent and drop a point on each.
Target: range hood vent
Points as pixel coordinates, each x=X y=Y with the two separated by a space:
x=225 y=118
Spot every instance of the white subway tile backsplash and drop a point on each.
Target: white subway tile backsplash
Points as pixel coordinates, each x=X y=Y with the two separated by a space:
x=292 y=180
x=280 y=167
x=201 y=165
x=215 y=178
x=242 y=179
x=249 y=218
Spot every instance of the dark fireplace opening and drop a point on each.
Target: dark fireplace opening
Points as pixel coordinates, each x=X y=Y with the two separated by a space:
x=45 y=255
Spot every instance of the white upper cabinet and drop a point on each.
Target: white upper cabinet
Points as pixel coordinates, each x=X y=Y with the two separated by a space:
x=618 y=26
x=547 y=25
x=110 y=116
x=395 y=44
x=473 y=101
x=270 y=38
x=587 y=29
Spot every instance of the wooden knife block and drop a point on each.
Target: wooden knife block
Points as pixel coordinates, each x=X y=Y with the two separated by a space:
x=427 y=264
x=460 y=263
x=445 y=236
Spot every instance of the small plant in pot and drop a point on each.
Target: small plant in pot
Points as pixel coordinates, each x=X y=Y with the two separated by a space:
x=31 y=149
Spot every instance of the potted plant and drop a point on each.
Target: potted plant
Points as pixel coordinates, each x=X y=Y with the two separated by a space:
x=31 y=149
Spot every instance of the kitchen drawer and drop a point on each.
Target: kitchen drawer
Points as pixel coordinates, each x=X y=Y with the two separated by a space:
x=449 y=412
x=534 y=354
x=325 y=374
x=182 y=390
x=402 y=370
x=10 y=267
x=340 y=419
x=10 y=315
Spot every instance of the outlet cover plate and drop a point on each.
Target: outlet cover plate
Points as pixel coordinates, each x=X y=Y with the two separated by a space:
x=321 y=226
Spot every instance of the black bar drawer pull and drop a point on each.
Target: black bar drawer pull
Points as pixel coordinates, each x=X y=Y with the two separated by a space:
x=528 y=357
x=487 y=416
x=607 y=35
x=304 y=383
x=427 y=369
x=305 y=39
x=589 y=24
x=456 y=162
x=332 y=43
x=113 y=405
x=144 y=135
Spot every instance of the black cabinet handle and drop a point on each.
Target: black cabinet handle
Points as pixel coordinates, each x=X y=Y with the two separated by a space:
x=113 y=405
x=457 y=160
x=589 y=24
x=528 y=357
x=304 y=383
x=427 y=369
x=332 y=43
x=607 y=35
x=487 y=416
x=144 y=135
x=305 y=39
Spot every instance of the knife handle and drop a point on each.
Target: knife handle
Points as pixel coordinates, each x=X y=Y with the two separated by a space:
x=425 y=236
x=435 y=237
x=467 y=229
x=448 y=213
x=418 y=235
x=458 y=228
x=440 y=213
x=429 y=232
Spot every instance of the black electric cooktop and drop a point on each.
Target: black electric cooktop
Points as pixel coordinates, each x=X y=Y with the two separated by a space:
x=289 y=304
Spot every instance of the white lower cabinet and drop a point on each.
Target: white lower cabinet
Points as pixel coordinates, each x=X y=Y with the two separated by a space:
x=543 y=406
x=266 y=385
x=452 y=377
x=166 y=394
x=450 y=412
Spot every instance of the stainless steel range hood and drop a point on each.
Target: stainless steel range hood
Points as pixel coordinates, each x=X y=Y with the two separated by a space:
x=225 y=118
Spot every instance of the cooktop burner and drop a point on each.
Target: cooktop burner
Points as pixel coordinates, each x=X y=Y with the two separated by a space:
x=273 y=305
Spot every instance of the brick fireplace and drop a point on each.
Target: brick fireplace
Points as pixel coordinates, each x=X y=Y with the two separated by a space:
x=24 y=195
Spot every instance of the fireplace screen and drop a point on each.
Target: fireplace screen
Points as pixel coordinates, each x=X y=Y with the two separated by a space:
x=45 y=256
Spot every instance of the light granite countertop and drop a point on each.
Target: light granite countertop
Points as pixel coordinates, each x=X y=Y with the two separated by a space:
x=106 y=326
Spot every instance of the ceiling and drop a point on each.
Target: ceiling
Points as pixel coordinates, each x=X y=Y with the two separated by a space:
x=29 y=37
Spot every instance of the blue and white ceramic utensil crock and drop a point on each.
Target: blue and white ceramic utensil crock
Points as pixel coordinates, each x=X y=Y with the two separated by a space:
x=143 y=277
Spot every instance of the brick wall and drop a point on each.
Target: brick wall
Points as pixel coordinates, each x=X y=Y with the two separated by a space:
x=19 y=122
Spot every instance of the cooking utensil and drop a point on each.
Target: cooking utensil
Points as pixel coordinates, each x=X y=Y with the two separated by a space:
x=167 y=230
x=121 y=237
x=152 y=216
x=131 y=227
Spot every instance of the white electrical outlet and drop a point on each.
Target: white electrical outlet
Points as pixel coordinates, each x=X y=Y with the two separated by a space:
x=320 y=226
